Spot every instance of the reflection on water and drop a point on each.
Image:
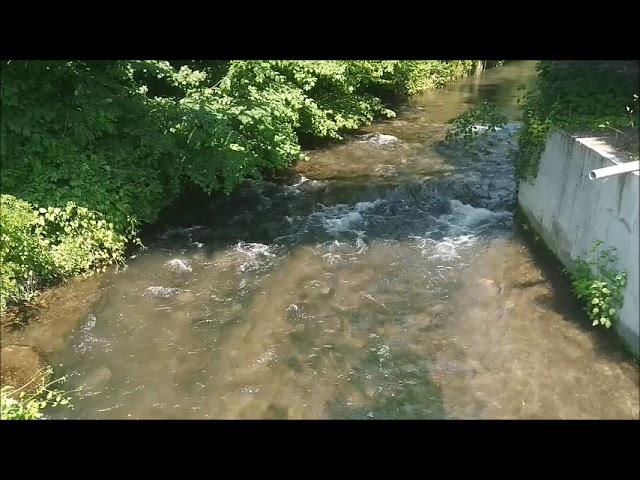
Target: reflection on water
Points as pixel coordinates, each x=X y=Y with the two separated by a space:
x=383 y=280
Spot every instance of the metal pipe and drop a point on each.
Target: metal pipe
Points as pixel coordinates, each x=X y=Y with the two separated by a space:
x=614 y=170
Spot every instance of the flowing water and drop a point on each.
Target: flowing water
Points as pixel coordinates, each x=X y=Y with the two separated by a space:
x=383 y=279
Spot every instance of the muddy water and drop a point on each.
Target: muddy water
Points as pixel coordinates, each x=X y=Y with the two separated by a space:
x=384 y=279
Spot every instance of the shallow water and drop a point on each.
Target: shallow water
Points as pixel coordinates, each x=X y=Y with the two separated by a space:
x=384 y=280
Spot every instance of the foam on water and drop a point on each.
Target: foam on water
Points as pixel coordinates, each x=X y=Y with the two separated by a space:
x=255 y=255
x=341 y=218
x=458 y=229
x=343 y=223
x=253 y=250
x=86 y=340
x=448 y=248
x=465 y=219
x=179 y=265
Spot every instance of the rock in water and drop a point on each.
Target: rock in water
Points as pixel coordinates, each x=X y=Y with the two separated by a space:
x=380 y=139
x=97 y=379
x=385 y=139
x=160 y=292
x=180 y=266
x=186 y=297
x=19 y=365
x=204 y=236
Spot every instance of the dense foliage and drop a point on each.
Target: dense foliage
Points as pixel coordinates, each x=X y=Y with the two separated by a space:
x=92 y=149
x=599 y=284
x=38 y=246
x=576 y=96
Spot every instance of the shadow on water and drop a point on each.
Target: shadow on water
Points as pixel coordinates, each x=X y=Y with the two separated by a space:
x=561 y=300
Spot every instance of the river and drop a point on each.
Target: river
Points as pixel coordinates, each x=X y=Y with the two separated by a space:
x=384 y=278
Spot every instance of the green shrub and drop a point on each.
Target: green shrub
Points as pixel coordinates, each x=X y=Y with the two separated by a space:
x=575 y=96
x=23 y=260
x=78 y=239
x=596 y=281
x=83 y=131
x=45 y=244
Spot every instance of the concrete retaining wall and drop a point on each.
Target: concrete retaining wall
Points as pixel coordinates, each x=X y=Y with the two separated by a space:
x=570 y=211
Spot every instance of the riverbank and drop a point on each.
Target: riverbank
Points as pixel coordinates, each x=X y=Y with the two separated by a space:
x=96 y=150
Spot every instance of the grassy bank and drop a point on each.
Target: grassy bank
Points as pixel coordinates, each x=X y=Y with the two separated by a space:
x=92 y=150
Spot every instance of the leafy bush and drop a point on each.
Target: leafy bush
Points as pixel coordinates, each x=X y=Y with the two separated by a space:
x=41 y=245
x=596 y=281
x=575 y=96
x=23 y=260
x=83 y=132
x=412 y=76
x=78 y=240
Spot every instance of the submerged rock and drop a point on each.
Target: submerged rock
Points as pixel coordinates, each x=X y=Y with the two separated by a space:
x=160 y=292
x=277 y=412
x=204 y=236
x=186 y=297
x=418 y=321
x=22 y=364
x=178 y=265
x=380 y=139
x=316 y=288
x=97 y=379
